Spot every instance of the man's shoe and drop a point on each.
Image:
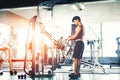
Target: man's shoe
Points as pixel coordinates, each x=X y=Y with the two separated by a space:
x=79 y=74
x=73 y=76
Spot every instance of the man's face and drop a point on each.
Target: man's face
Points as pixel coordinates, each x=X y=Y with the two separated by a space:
x=75 y=22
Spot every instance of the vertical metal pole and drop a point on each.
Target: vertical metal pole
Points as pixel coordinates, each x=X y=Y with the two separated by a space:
x=52 y=48
x=33 y=50
x=42 y=39
x=101 y=42
x=26 y=52
x=10 y=60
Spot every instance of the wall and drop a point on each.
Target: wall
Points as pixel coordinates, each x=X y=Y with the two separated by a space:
x=20 y=24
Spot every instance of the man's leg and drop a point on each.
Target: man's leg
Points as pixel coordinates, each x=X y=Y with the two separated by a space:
x=75 y=66
x=78 y=66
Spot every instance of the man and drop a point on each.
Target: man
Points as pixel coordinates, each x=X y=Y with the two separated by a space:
x=79 y=45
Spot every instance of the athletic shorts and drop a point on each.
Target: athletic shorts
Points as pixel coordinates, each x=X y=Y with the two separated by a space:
x=78 y=49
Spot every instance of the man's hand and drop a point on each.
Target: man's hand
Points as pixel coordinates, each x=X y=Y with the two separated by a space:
x=68 y=38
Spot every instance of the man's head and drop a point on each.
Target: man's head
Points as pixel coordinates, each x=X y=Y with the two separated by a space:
x=76 y=18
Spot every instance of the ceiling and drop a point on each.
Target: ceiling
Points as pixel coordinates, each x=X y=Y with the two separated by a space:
x=25 y=3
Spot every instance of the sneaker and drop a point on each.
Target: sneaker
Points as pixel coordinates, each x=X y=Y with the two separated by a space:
x=73 y=76
x=79 y=75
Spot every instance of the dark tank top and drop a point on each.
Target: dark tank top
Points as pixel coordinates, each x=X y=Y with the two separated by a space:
x=80 y=35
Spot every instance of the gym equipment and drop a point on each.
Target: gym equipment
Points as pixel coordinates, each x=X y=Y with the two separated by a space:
x=34 y=64
x=93 y=63
x=6 y=51
x=34 y=59
x=92 y=48
x=68 y=56
x=22 y=76
x=1 y=72
x=118 y=47
x=13 y=72
x=58 y=45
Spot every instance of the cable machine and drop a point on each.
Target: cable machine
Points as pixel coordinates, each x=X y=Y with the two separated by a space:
x=34 y=65
x=34 y=58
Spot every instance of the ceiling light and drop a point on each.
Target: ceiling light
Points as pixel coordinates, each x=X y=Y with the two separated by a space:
x=78 y=6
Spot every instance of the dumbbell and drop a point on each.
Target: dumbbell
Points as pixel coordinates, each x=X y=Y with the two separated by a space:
x=22 y=76
x=49 y=72
x=1 y=72
x=13 y=72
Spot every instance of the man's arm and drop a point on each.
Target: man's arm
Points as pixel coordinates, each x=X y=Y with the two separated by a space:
x=77 y=30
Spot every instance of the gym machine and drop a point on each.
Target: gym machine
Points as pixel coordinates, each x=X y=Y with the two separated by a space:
x=5 y=52
x=34 y=64
x=118 y=47
x=93 y=62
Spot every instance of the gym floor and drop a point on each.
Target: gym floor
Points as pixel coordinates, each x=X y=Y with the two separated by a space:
x=64 y=76
x=63 y=72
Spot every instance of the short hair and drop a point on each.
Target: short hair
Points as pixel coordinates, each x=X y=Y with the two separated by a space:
x=75 y=18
